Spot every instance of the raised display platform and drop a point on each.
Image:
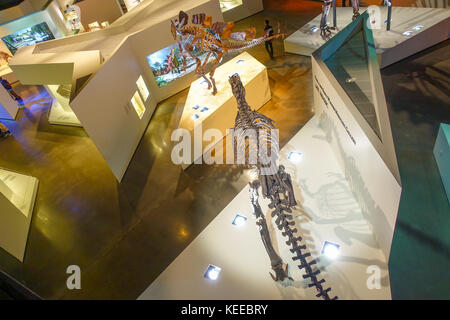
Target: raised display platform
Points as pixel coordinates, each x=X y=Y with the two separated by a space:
x=219 y=111
x=60 y=111
x=412 y=30
x=327 y=211
x=17 y=198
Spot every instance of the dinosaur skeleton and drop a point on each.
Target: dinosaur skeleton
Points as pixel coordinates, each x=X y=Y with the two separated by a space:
x=254 y=130
x=215 y=39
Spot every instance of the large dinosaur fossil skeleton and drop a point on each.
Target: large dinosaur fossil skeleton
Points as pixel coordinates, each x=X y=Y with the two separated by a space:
x=254 y=130
x=216 y=39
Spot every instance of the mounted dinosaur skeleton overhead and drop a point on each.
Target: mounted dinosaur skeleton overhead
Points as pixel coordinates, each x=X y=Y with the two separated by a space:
x=215 y=39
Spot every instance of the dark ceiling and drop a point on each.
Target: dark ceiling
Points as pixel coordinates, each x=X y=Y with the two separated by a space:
x=5 y=4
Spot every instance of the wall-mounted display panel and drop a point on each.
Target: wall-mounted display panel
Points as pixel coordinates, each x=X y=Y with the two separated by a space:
x=226 y=5
x=142 y=88
x=29 y=36
x=138 y=104
x=167 y=64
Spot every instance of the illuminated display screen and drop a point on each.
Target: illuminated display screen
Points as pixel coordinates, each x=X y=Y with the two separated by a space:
x=29 y=36
x=142 y=88
x=167 y=64
x=226 y=5
x=138 y=104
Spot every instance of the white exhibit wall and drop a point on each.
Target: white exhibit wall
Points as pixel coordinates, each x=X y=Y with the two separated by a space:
x=375 y=187
x=104 y=109
x=248 y=8
x=159 y=36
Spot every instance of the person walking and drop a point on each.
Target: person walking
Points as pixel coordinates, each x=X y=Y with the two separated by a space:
x=8 y=87
x=4 y=131
x=268 y=32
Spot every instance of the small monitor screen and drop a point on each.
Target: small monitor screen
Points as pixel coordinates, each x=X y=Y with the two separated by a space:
x=28 y=36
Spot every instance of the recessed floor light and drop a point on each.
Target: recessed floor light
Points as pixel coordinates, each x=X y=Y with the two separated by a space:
x=212 y=272
x=239 y=220
x=330 y=250
x=295 y=156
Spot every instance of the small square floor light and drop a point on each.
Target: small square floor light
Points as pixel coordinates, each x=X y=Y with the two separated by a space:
x=295 y=156
x=407 y=33
x=416 y=28
x=212 y=273
x=240 y=61
x=196 y=107
x=195 y=117
x=204 y=109
x=239 y=221
x=330 y=250
x=314 y=29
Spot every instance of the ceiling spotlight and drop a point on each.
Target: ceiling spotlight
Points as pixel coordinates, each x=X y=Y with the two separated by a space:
x=239 y=221
x=295 y=156
x=330 y=250
x=212 y=272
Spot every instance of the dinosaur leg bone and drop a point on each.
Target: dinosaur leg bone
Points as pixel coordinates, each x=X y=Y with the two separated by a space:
x=211 y=73
x=275 y=260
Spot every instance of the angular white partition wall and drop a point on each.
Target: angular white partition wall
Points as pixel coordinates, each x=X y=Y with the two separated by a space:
x=17 y=197
x=102 y=70
x=349 y=100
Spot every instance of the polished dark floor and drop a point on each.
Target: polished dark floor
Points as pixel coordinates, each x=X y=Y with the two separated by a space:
x=418 y=95
x=123 y=235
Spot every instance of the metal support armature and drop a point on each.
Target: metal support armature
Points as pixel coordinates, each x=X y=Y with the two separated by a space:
x=389 y=16
x=334 y=15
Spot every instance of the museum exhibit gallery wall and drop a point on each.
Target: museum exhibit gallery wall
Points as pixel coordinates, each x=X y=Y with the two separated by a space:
x=235 y=10
x=349 y=101
x=104 y=68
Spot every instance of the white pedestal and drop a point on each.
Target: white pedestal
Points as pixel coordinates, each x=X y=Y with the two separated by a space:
x=327 y=210
x=393 y=45
x=222 y=108
x=17 y=198
x=60 y=112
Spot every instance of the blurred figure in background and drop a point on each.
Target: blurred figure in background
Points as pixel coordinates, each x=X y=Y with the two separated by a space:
x=8 y=87
x=268 y=33
x=4 y=131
